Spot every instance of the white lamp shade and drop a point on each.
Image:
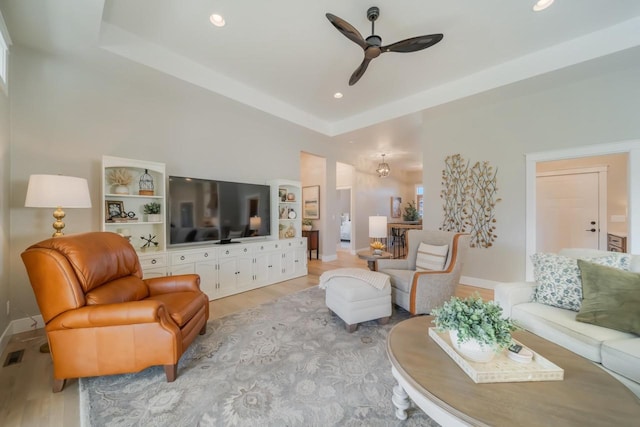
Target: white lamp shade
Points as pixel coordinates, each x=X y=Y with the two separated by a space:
x=52 y=191
x=377 y=227
x=254 y=223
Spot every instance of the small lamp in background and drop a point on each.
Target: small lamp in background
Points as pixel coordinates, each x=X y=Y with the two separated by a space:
x=378 y=229
x=57 y=191
x=254 y=224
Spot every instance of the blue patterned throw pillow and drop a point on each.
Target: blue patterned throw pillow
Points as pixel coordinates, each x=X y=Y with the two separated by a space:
x=558 y=278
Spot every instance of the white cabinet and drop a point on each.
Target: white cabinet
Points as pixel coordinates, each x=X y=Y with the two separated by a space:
x=124 y=205
x=230 y=269
x=153 y=265
x=294 y=258
x=267 y=267
x=286 y=209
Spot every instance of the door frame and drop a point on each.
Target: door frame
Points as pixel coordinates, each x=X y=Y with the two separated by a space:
x=632 y=148
x=602 y=195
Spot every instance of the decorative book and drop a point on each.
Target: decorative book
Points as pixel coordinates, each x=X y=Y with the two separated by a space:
x=501 y=369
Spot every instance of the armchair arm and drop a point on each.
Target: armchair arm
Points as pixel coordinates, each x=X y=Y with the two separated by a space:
x=433 y=288
x=169 y=284
x=125 y=313
x=396 y=264
x=509 y=294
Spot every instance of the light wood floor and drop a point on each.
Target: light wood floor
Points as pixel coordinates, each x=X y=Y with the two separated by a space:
x=25 y=388
x=26 y=399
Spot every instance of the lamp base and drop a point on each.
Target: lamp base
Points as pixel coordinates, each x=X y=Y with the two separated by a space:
x=58 y=214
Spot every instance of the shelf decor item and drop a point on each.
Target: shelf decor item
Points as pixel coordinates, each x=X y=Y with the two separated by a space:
x=311 y=202
x=152 y=210
x=146 y=184
x=476 y=328
x=120 y=178
x=377 y=247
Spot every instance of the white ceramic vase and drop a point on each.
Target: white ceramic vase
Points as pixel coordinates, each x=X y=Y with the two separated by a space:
x=472 y=350
x=121 y=189
x=154 y=217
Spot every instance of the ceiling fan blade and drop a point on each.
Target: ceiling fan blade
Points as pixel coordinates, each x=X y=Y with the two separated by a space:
x=413 y=44
x=347 y=29
x=359 y=71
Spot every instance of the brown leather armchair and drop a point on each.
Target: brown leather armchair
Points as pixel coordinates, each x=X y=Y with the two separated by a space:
x=101 y=317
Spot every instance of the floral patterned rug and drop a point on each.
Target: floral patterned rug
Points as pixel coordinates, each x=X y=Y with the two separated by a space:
x=289 y=362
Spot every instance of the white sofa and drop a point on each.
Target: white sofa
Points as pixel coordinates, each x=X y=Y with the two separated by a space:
x=617 y=352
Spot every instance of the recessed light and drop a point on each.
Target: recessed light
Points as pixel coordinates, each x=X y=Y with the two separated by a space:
x=542 y=5
x=217 y=20
x=337 y=95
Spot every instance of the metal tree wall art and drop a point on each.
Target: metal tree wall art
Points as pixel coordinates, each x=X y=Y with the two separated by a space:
x=469 y=200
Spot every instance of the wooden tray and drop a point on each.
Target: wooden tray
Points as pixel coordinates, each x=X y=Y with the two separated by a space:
x=501 y=369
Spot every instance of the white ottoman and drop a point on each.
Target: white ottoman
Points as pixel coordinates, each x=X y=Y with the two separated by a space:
x=355 y=300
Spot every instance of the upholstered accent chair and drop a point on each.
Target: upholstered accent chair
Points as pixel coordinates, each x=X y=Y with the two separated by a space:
x=101 y=317
x=419 y=290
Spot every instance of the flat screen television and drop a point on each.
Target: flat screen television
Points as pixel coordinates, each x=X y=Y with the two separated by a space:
x=212 y=211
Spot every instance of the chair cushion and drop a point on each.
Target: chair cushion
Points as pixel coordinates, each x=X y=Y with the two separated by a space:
x=181 y=306
x=431 y=257
x=559 y=325
x=611 y=297
x=400 y=279
x=623 y=357
x=130 y=288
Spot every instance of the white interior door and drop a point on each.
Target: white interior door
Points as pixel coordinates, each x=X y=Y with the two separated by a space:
x=569 y=211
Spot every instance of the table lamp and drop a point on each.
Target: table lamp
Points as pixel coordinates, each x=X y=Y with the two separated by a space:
x=378 y=228
x=57 y=191
x=254 y=224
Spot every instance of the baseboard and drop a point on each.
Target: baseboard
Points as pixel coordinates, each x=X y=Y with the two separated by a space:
x=327 y=258
x=478 y=283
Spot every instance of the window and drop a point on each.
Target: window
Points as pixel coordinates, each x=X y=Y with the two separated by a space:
x=420 y=200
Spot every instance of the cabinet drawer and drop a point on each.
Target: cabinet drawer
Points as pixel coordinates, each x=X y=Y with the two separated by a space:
x=615 y=240
x=235 y=250
x=268 y=246
x=189 y=257
x=148 y=261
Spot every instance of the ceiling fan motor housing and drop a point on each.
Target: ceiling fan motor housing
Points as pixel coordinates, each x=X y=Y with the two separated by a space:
x=373 y=13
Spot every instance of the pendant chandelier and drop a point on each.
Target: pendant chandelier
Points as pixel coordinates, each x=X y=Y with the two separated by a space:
x=383 y=169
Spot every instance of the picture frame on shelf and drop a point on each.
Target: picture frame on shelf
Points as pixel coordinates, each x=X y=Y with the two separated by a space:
x=113 y=209
x=396 y=203
x=311 y=202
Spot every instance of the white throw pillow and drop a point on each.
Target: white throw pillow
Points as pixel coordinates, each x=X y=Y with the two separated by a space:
x=431 y=257
x=559 y=281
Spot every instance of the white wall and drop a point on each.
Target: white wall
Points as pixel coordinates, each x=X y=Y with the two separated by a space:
x=68 y=111
x=503 y=125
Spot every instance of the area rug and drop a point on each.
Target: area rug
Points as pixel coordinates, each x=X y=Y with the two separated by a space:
x=289 y=362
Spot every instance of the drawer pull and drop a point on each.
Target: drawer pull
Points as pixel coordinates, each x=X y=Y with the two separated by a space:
x=206 y=254
x=182 y=258
x=153 y=261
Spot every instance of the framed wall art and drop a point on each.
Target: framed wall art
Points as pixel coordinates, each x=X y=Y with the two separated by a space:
x=311 y=202
x=396 y=210
x=113 y=209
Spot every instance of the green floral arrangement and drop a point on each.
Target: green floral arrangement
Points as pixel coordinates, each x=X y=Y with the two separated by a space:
x=307 y=221
x=152 y=208
x=410 y=212
x=476 y=319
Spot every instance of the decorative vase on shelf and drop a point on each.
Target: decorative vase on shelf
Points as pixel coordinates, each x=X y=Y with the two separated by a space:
x=307 y=227
x=121 y=189
x=472 y=350
x=154 y=217
x=377 y=251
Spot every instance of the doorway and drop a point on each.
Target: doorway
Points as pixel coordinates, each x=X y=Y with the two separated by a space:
x=631 y=211
x=571 y=209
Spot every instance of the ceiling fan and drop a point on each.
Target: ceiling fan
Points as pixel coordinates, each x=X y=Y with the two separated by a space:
x=372 y=45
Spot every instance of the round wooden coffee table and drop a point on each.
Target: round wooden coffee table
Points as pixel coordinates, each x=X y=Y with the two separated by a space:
x=588 y=396
x=371 y=258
